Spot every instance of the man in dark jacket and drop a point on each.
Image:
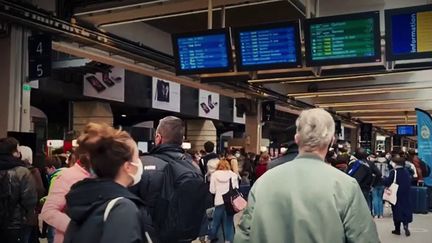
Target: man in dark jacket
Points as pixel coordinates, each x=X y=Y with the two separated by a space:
x=18 y=196
x=290 y=154
x=210 y=154
x=168 y=151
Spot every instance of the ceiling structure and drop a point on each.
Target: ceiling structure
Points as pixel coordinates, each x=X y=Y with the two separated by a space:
x=376 y=95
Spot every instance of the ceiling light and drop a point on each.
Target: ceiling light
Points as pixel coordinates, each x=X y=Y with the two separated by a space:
x=372 y=102
x=119 y=7
x=186 y=13
x=375 y=110
x=123 y=115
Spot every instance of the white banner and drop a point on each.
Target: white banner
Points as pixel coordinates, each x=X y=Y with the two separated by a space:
x=109 y=86
x=166 y=95
x=208 y=104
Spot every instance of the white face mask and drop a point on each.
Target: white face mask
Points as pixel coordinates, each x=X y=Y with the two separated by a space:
x=237 y=155
x=137 y=176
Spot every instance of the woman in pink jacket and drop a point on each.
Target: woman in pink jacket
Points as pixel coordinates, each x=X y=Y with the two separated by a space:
x=53 y=209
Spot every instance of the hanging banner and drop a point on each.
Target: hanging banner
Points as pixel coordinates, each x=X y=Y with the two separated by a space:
x=108 y=85
x=424 y=140
x=166 y=95
x=208 y=104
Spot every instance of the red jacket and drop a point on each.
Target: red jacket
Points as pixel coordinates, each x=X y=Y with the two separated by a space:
x=260 y=170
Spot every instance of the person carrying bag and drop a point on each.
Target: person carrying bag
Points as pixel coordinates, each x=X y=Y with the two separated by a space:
x=390 y=193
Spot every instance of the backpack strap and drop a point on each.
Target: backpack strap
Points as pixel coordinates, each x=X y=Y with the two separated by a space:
x=109 y=207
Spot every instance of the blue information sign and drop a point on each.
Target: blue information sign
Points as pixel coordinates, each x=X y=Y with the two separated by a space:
x=268 y=46
x=203 y=52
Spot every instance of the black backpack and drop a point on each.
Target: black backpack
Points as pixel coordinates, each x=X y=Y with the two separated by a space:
x=6 y=203
x=362 y=173
x=182 y=203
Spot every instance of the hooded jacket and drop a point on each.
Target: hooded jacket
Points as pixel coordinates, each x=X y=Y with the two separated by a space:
x=86 y=204
x=220 y=184
x=53 y=209
x=23 y=192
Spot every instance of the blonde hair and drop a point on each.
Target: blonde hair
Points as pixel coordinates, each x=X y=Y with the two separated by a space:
x=315 y=129
x=223 y=165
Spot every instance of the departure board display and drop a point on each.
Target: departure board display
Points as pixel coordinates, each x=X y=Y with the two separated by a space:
x=409 y=33
x=343 y=39
x=268 y=46
x=406 y=130
x=203 y=52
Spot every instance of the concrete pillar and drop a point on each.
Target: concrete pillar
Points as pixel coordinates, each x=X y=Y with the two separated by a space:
x=253 y=131
x=200 y=131
x=14 y=98
x=91 y=111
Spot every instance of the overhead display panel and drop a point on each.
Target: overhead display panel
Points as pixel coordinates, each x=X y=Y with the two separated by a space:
x=343 y=39
x=202 y=52
x=269 y=46
x=406 y=130
x=409 y=33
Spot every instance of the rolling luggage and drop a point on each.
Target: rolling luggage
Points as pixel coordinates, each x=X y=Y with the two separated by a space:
x=419 y=199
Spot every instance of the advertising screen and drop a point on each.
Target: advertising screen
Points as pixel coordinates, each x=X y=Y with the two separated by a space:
x=408 y=33
x=269 y=46
x=406 y=130
x=203 y=52
x=344 y=39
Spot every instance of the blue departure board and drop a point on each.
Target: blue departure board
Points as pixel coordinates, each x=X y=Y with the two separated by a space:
x=268 y=46
x=202 y=52
x=406 y=130
x=408 y=33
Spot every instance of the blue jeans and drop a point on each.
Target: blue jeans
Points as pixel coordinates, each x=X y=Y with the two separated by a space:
x=220 y=217
x=377 y=201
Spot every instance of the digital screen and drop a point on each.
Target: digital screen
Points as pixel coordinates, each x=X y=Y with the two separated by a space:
x=201 y=53
x=406 y=130
x=342 y=39
x=409 y=32
x=266 y=47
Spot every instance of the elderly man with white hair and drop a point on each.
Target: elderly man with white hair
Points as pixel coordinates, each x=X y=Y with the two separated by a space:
x=306 y=200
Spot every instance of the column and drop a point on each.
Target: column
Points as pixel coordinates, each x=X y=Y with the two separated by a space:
x=91 y=111
x=253 y=131
x=200 y=131
x=14 y=96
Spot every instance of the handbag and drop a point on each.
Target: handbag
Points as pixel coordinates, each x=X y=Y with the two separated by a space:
x=233 y=200
x=390 y=193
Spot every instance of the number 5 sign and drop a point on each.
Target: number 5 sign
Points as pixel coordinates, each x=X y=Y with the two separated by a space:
x=39 y=49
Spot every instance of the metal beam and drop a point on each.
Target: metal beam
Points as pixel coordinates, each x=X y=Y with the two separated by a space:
x=355 y=92
x=371 y=103
x=103 y=57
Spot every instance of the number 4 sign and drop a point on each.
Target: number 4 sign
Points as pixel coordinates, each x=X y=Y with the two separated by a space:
x=39 y=49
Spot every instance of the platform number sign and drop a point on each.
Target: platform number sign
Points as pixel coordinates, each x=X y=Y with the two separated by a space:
x=39 y=56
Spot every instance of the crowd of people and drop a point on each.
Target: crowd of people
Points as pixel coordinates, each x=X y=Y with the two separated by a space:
x=106 y=192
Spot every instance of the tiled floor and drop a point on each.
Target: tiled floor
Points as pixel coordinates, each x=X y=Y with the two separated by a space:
x=421 y=230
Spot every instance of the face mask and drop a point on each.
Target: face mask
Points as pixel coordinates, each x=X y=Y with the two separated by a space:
x=283 y=150
x=137 y=177
x=237 y=155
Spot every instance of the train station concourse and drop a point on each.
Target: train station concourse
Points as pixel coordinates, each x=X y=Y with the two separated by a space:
x=245 y=121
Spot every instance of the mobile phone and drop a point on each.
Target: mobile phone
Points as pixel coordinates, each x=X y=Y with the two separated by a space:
x=106 y=79
x=205 y=108
x=210 y=103
x=99 y=87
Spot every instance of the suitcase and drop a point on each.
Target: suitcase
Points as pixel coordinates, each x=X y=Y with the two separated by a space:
x=419 y=199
